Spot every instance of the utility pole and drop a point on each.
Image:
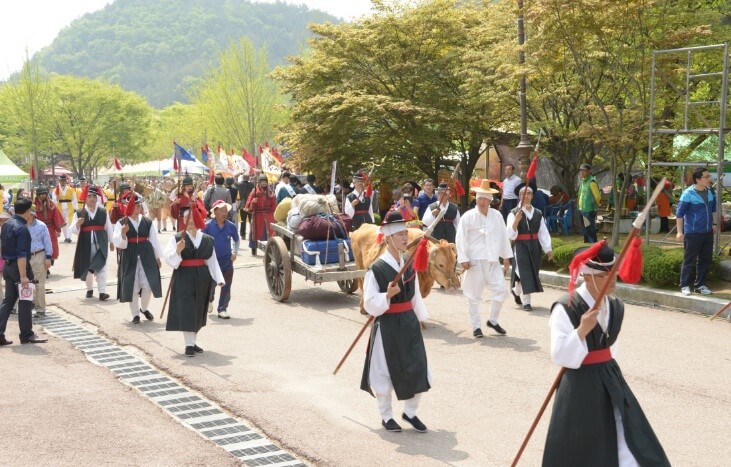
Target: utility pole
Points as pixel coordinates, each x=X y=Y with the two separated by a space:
x=524 y=146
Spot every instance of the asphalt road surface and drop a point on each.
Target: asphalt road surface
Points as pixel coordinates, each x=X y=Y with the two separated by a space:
x=271 y=364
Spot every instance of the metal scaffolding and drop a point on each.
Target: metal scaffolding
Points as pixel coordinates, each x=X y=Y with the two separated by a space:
x=692 y=81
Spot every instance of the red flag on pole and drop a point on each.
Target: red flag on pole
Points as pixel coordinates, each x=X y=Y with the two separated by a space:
x=117 y=164
x=175 y=163
x=459 y=188
x=130 y=209
x=33 y=172
x=276 y=155
x=251 y=160
x=533 y=167
x=211 y=176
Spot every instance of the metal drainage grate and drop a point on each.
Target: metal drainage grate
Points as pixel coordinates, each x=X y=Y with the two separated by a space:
x=183 y=404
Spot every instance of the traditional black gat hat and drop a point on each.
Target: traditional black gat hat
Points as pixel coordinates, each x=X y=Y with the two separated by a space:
x=187 y=180
x=393 y=222
x=601 y=262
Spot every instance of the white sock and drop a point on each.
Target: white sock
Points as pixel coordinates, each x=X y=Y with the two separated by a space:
x=189 y=338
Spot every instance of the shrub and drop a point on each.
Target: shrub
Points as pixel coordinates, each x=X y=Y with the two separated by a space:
x=563 y=254
x=663 y=269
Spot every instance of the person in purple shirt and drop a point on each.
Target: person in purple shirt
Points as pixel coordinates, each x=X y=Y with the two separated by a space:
x=223 y=232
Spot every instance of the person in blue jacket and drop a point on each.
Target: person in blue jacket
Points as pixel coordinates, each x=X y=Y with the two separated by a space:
x=696 y=226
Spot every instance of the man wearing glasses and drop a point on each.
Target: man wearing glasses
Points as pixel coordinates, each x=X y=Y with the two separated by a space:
x=589 y=199
x=696 y=227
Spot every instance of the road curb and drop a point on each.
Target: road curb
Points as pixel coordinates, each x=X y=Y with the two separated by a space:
x=649 y=296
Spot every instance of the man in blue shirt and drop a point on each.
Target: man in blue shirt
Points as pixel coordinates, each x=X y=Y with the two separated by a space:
x=16 y=243
x=425 y=198
x=223 y=232
x=41 y=253
x=696 y=227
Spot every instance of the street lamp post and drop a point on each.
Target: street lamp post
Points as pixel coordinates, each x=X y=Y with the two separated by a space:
x=524 y=145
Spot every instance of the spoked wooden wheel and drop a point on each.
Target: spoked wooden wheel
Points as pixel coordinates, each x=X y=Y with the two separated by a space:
x=278 y=269
x=348 y=286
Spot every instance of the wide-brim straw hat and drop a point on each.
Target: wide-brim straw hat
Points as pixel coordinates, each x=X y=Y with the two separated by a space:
x=484 y=188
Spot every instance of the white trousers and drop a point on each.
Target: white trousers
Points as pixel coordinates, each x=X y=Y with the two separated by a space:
x=518 y=290
x=101 y=275
x=189 y=338
x=484 y=274
x=386 y=411
x=140 y=301
x=65 y=213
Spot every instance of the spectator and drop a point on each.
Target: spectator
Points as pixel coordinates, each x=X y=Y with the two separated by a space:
x=509 y=201
x=664 y=201
x=696 y=227
x=425 y=198
x=41 y=254
x=244 y=187
x=216 y=193
x=283 y=188
x=224 y=233
x=589 y=199
x=558 y=196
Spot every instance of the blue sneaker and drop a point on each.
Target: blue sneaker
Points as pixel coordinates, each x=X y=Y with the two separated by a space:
x=703 y=290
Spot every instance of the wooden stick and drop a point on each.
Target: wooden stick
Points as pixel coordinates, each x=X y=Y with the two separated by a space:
x=636 y=226
x=400 y=274
x=725 y=307
x=167 y=295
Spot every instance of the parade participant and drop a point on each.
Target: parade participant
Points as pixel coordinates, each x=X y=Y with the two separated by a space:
x=109 y=197
x=16 y=244
x=357 y=205
x=396 y=358
x=192 y=255
x=80 y=192
x=224 y=233
x=40 y=260
x=48 y=213
x=155 y=201
x=426 y=197
x=481 y=241
x=447 y=227
x=310 y=187
x=529 y=234
x=94 y=230
x=139 y=267
x=125 y=191
x=183 y=201
x=244 y=187
x=232 y=214
x=261 y=204
x=596 y=418
x=65 y=198
x=284 y=188
x=508 y=201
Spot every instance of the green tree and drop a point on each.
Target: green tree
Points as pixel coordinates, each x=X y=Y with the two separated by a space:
x=182 y=123
x=239 y=104
x=93 y=121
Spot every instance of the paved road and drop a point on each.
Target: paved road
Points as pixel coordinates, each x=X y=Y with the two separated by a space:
x=272 y=363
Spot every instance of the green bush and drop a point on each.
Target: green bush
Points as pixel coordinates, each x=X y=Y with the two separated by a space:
x=563 y=254
x=663 y=269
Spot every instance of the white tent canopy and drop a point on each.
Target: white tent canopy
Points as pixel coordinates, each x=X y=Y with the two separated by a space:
x=9 y=172
x=155 y=169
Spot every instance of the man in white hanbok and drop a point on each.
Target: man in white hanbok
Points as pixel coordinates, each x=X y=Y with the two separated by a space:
x=481 y=241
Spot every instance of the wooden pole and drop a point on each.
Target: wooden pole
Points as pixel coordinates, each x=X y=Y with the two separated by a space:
x=167 y=295
x=716 y=314
x=636 y=226
x=400 y=274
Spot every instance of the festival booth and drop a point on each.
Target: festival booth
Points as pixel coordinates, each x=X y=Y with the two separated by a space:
x=11 y=174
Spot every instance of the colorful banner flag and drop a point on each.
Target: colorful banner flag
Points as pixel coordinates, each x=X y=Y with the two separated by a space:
x=117 y=164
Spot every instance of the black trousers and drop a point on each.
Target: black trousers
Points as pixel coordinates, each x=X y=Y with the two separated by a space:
x=25 y=307
x=698 y=255
x=508 y=205
x=245 y=217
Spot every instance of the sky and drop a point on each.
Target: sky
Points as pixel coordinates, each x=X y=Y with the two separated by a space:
x=33 y=24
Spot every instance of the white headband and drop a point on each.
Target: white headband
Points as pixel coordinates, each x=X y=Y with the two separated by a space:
x=483 y=195
x=390 y=229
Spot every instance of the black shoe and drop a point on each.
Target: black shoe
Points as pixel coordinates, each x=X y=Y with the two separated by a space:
x=253 y=252
x=34 y=339
x=527 y=307
x=391 y=425
x=103 y=296
x=197 y=349
x=89 y=293
x=189 y=351
x=477 y=333
x=496 y=327
x=4 y=341
x=68 y=240
x=516 y=297
x=136 y=320
x=415 y=422
x=148 y=315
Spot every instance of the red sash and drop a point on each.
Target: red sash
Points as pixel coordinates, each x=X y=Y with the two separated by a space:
x=361 y=211
x=136 y=239
x=528 y=236
x=597 y=356
x=399 y=307
x=189 y=263
x=90 y=228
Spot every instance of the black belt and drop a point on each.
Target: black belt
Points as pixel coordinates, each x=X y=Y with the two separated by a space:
x=42 y=250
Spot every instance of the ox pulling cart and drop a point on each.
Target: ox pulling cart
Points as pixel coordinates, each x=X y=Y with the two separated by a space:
x=283 y=255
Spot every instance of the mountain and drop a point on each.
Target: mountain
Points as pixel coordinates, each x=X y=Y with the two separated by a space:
x=160 y=48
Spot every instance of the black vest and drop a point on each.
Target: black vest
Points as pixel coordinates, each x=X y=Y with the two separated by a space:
x=445 y=229
x=360 y=216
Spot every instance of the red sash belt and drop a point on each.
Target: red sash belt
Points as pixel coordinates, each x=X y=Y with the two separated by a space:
x=189 y=263
x=399 y=307
x=90 y=228
x=361 y=211
x=528 y=236
x=597 y=356
x=136 y=239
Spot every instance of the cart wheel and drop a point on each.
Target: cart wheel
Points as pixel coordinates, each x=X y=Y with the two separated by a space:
x=278 y=269
x=348 y=286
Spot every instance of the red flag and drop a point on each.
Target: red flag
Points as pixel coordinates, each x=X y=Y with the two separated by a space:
x=532 y=168
x=33 y=172
x=276 y=154
x=130 y=209
x=251 y=160
x=117 y=164
x=175 y=163
x=211 y=176
x=84 y=193
x=369 y=185
x=630 y=271
x=261 y=149
x=198 y=216
x=459 y=188
x=421 y=255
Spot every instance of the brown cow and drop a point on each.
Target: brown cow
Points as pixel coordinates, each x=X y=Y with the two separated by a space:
x=442 y=258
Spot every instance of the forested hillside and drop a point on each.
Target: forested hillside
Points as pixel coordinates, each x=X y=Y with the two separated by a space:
x=159 y=48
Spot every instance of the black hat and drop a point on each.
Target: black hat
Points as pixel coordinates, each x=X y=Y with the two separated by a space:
x=311 y=178
x=41 y=190
x=82 y=178
x=393 y=217
x=584 y=167
x=286 y=174
x=187 y=180
x=359 y=176
x=94 y=190
x=124 y=186
x=262 y=178
x=532 y=186
x=63 y=177
x=603 y=261
x=444 y=186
